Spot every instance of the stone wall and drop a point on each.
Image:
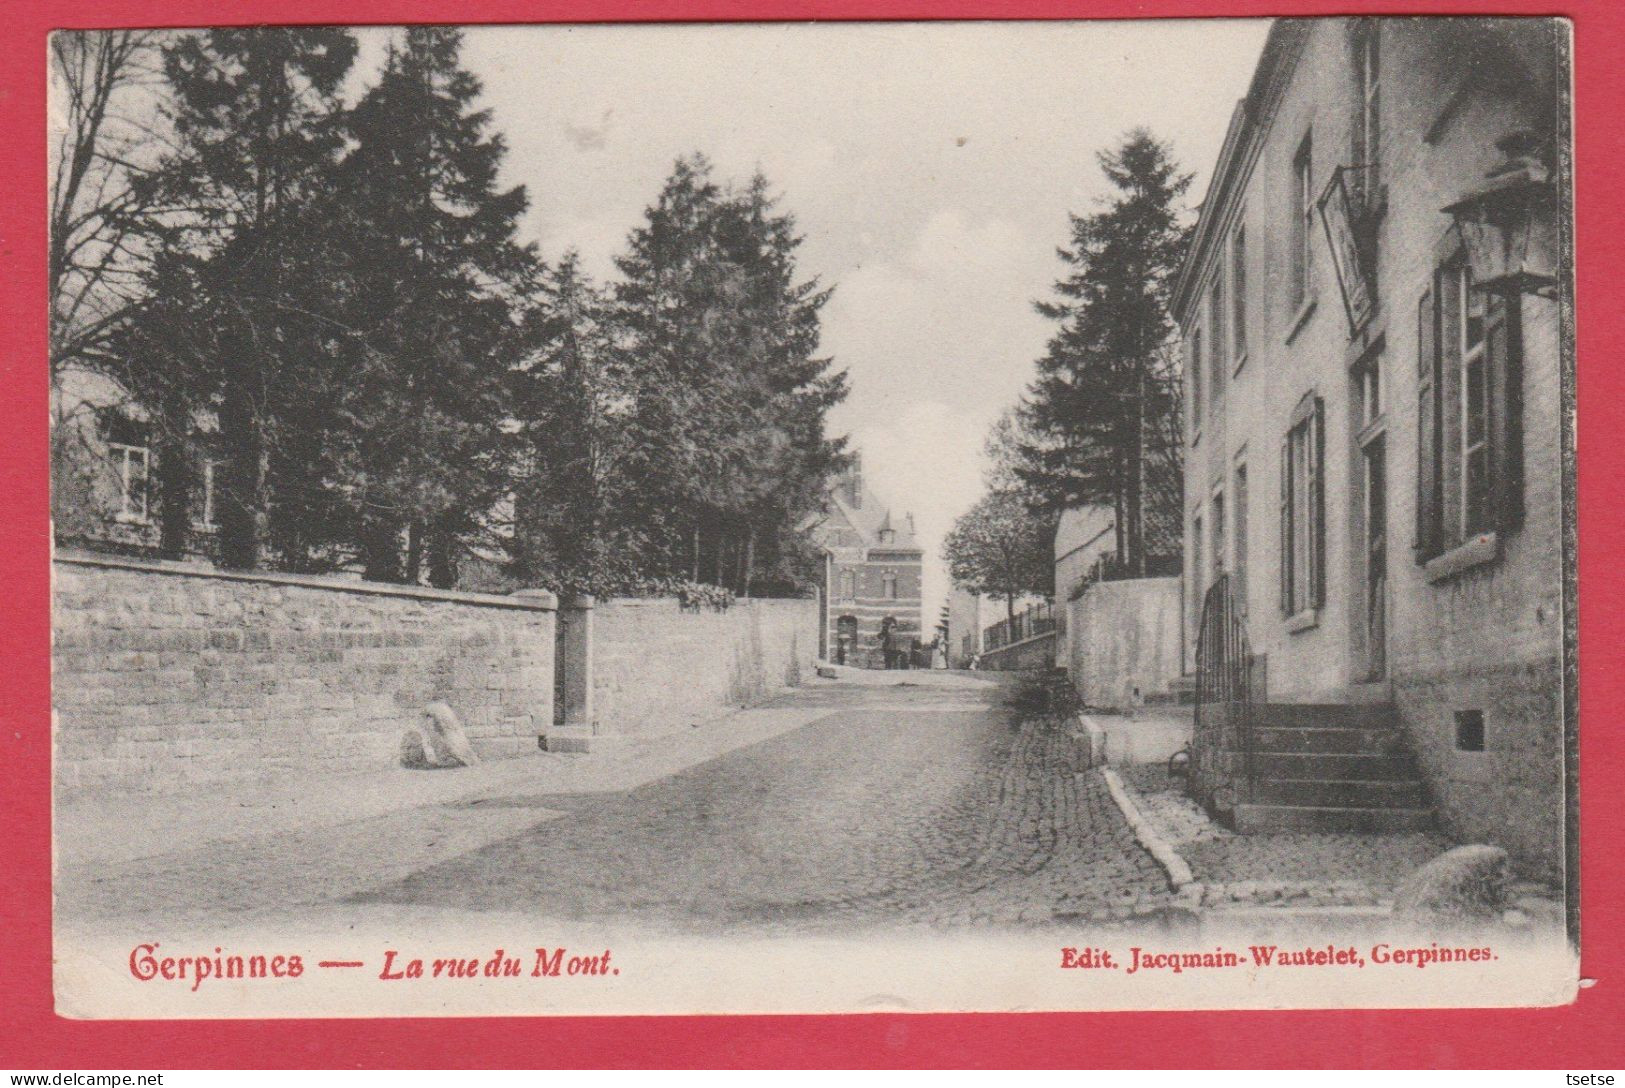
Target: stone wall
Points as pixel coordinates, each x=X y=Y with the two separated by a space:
x=167 y=675
x=1124 y=641
x=1037 y=652
x=657 y=667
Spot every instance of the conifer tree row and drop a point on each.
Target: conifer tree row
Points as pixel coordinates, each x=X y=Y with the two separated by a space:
x=337 y=317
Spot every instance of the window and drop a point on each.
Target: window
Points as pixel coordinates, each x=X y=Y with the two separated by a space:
x=1469 y=426
x=130 y=460
x=1198 y=575
x=1303 y=210
x=1475 y=411
x=1303 y=506
x=1217 y=550
x=1238 y=296
x=1216 y=342
x=206 y=478
x=1196 y=381
x=1469 y=730
x=130 y=465
x=1368 y=391
x=849 y=588
x=1238 y=576
x=1367 y=130
x=888 y=583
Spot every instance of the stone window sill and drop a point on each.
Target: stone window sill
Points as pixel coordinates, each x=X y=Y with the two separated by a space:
x=1484 y=548
x=1306 y=620
x=1240 y=362
x=1301 y=318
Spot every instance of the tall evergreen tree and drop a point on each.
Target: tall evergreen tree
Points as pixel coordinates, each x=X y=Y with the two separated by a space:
x=573 y=399
x=436 y=280
x=255 y=114
x=1096 y=411
x=730 y=395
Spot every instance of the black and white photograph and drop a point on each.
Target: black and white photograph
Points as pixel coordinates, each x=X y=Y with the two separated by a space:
x=812 y=517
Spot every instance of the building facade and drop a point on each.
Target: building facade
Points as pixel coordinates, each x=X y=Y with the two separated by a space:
x=1375 y=442
x=872 y=569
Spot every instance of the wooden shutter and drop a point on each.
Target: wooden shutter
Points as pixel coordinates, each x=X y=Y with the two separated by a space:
x=1503 y=349
x=1428 y=508
x=1448 y=384
x=1316 y=480
x=1286 y=525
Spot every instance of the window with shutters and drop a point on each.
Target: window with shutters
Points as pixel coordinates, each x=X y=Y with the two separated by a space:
x=129 y=450
x=1238 y=575
x=1469 y=419
x=1303 y=507
x=1303 y=231
x=1216 y=340
x=1195 y=354
x=1198 y=573
x=1238 y=297
x=1367 y=124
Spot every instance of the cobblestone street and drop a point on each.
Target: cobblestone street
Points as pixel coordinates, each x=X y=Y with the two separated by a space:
x=904 y=805
x=895 y=804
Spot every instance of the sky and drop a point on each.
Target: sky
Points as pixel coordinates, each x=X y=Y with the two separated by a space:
x=931 y=168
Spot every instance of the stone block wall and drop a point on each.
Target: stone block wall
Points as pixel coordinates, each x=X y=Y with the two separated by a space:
x=1124 y=641
x=657 y=667
x=1037 y=652
x=167 y=675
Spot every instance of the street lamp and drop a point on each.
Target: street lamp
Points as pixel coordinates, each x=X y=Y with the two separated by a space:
x=1508 y=225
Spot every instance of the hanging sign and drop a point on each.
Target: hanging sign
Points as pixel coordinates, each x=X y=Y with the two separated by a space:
x=1351 y=277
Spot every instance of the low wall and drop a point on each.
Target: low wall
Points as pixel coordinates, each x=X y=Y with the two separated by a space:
x=1124 y=641
x=167 y=675
x=657 y=667
x=1037 y=652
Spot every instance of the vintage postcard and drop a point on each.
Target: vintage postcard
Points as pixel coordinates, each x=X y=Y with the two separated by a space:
x=812 y=518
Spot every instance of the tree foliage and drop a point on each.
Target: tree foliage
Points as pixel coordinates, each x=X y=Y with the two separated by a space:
x=1097 y=416
x=325 y=308
x=999 y=548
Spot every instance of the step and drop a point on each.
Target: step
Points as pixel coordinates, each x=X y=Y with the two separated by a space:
x=1254 y=818
x=1323 y=716
x=1350 y=741
x=1321 y=766
x=1337 y=793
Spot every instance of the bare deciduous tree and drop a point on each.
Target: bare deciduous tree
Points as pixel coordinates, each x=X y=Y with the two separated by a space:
x=100 y=150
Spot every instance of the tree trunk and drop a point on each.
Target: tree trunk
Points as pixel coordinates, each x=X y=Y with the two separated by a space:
x=750 y=564
x=242 y=491
x=443 y=554
x=414 y=552
x=176 y=486
x=1135 y=503
x=381 y=550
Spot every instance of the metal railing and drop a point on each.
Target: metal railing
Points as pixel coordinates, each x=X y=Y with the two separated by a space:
x=1035 y=620
x=1221 y=773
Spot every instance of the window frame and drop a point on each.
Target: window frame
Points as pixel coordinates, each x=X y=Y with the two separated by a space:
x=1303 y=510
x=1303 y=209
x=1238 y=296
x=123 y=453
x=1198 y=394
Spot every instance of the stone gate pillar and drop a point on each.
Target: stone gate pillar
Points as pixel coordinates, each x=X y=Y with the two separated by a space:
x=575 y=723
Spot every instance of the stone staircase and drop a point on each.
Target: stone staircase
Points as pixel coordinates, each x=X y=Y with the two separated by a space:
x=1329 y=767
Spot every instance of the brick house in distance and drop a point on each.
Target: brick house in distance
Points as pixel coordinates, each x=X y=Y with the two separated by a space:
x=872 y=568
x=1373 y=482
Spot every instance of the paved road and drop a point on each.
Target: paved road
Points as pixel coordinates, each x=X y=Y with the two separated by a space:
x=905 y=805
x=893 y=806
